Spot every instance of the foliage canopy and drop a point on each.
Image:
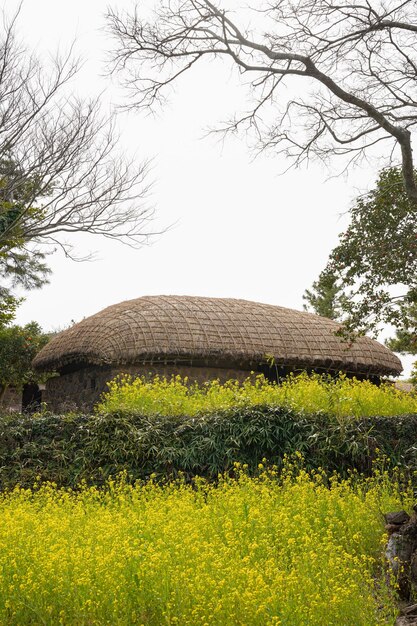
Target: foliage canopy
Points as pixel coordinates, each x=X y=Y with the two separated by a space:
x=18 y=347
x=371 y=275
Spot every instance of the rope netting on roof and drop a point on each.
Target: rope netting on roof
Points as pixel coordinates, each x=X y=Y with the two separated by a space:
x=215 y=331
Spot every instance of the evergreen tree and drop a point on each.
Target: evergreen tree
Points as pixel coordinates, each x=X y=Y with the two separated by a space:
x=324 y=296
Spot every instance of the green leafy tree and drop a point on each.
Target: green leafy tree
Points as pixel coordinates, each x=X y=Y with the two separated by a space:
x=18 y=263
x=18 y=192
x=371 y=275
x=325 y=297
x=405 y=340
x=8 y=306
x=375 y=261
x=18 y=347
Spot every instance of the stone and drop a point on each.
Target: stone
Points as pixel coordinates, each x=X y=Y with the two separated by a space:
x=397 y=517
x=410 y=609
x=392 y=528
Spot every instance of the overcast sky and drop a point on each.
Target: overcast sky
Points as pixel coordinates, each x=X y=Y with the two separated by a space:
x=239 y=228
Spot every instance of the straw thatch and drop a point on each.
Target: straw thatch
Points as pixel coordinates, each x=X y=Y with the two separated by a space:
x=211 y=331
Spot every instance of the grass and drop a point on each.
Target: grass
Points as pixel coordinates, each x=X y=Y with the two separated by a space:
x=340 y=397
x=299 y=549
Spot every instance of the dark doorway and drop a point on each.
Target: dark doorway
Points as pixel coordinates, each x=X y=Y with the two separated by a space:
x=273 y=373
x=31 y=398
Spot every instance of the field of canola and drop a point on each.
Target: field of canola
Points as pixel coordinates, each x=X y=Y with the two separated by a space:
x=337 y=397
x=297 y=551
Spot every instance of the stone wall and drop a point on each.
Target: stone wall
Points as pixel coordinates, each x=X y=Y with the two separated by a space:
x=82 y=389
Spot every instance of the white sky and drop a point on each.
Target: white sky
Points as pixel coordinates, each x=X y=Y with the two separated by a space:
x=240 y=230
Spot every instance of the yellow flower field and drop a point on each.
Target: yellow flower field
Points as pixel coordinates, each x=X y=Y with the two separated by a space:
x=297 y=551
x=339 y=397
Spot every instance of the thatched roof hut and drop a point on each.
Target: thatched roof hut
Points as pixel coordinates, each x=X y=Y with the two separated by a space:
x=214 y=332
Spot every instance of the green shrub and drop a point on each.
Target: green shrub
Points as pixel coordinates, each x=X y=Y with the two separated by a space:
x=67 y=448
x=340 y=397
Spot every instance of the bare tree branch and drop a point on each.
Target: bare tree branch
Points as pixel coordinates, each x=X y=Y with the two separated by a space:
x=61 y=170
x=361 y=56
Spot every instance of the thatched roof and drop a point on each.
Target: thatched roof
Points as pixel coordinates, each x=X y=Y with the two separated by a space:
x=211 y=331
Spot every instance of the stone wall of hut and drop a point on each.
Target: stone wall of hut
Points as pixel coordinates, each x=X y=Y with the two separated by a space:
x=81 y=389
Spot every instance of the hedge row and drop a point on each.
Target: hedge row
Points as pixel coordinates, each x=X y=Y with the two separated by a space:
x=68 y=448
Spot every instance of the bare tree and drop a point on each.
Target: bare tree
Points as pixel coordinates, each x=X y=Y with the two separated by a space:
x=60 y=167
x=356 y=64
